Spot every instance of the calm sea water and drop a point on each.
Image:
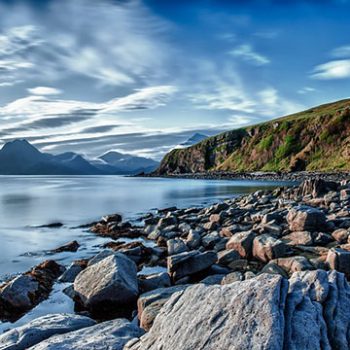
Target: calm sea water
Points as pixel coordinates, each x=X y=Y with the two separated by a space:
x=30 y=201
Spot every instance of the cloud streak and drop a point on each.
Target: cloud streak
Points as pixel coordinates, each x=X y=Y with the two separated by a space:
x=247 y=53
x=339 y=69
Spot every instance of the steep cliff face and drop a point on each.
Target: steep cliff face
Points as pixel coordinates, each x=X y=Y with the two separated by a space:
x=316 y=139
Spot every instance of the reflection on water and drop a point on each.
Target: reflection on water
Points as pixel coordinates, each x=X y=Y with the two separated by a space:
x=29 y=201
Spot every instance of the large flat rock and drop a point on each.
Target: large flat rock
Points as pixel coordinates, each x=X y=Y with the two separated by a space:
x=308 y=312
x=110 y=335
x=32 y=333
x=241 y=315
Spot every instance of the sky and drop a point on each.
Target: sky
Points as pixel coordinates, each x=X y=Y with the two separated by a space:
x=141 y=76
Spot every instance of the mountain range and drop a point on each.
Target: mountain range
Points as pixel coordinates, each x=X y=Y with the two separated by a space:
x=315 y=139
x=19 y=157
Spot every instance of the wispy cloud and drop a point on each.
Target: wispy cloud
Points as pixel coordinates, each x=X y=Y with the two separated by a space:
x=341 y=52
x=44 y=90
x=247 y=53
x=306 y=90
x=339 y=69
x=111 y=44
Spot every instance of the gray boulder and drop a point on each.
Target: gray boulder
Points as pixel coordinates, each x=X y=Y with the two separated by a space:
x=189 y=263
x=311 y=312
x=42 y=328
x=110 y=335
x=19 y=292
x=151 y=282
x=149 y=304
x=339 y=259
x=242 y=242
x=305 y=218
x=241 y=315
x=298 y=238
x=176 y=246
x=266 y=248
x=193 y=239
x=72 y=271
x=109 y=285
x=317 y=311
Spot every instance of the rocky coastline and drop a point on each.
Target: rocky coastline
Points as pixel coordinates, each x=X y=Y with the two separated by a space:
x=268 y=270
x=297 y=176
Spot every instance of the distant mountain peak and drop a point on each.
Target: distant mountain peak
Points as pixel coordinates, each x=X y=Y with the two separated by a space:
x=19 y=146
x=194 y=139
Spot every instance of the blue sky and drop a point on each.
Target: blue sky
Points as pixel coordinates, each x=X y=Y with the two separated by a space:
x=142 y=76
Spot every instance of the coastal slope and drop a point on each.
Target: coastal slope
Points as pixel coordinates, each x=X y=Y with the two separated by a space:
x=315 y=139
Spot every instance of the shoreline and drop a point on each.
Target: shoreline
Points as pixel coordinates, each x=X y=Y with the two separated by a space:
x=255 y=176
x=263 y=241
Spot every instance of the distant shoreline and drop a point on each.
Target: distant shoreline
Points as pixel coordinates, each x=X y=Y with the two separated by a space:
x=268 y=176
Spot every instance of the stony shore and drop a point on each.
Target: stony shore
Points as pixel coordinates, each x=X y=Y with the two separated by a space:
x=268 y=270
x=268 y=176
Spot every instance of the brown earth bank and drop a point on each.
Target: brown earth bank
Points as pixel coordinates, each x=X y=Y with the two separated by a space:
x=268 y=270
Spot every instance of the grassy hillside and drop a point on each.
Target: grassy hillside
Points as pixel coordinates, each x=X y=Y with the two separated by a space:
x=315 y=139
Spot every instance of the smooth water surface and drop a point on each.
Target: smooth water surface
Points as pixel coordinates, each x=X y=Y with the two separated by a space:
x=29 y=201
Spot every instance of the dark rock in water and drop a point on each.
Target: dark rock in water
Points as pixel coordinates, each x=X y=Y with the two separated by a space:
x=72 y=246
x=42 y=328
x=189 y=263
x=166 y=210
x=22 y=293
x=305 y=218
x=108 y=288
x=103 y=336
x=52 y=225
x=115 y=229
x=112 y=218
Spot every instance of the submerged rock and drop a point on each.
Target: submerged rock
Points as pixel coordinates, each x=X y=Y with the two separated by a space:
x=72 y=246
